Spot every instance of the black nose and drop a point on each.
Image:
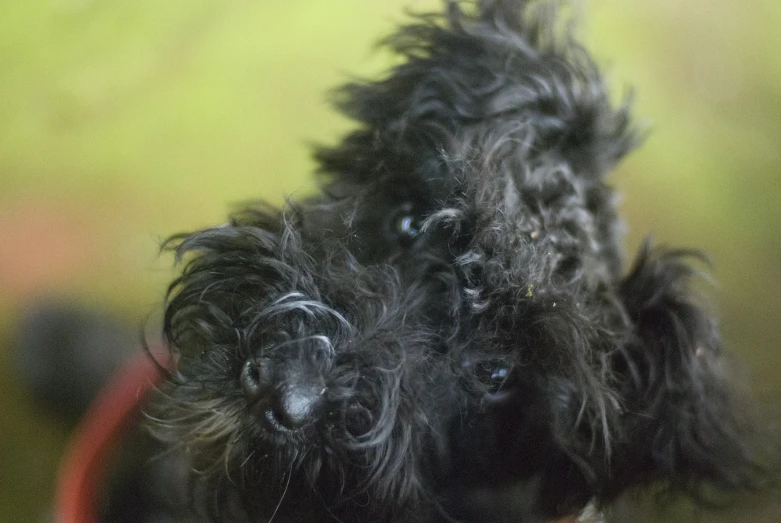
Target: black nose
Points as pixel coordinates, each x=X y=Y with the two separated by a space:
x=286 y=396
x=295 y=407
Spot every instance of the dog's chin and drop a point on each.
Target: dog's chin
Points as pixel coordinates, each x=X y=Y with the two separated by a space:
x=269 y=433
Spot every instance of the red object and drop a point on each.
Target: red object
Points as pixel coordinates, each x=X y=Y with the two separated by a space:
x=84 y=462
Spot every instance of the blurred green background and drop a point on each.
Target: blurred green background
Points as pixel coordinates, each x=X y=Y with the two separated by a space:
x=124 y=122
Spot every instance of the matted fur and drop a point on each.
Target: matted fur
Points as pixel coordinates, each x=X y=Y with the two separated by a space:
x=457 y=288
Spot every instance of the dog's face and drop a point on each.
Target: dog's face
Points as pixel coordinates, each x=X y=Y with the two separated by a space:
x=449 y=317
x=294 y=372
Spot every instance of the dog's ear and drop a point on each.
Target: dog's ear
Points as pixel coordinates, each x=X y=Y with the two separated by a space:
x=685 y=424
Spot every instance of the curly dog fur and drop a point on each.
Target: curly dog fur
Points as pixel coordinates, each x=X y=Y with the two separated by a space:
x=447 y=331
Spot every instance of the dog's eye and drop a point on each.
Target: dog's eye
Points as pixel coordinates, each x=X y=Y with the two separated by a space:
x=406 y=224
x=492 y=374
x=407 y=227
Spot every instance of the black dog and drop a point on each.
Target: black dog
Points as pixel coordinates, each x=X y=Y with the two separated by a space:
x=446 y=333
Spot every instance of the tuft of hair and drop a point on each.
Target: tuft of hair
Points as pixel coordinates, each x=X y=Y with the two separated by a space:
x=688 y=422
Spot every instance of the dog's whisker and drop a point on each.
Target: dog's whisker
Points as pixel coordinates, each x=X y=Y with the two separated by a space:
x=282 y=497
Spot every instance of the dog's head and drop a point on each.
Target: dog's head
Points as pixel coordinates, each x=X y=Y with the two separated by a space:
x=450 y=316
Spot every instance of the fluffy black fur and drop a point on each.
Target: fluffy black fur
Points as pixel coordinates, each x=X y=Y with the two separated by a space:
x=446 y=332
x=255 y=309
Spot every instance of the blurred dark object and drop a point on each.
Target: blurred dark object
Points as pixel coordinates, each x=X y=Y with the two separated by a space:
x=66 y=352
x=76 y=361
x=106 y=474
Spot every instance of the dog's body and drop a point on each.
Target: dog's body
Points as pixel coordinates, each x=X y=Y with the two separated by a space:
x=446 y=333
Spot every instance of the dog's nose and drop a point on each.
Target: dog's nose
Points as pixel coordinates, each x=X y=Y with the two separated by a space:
x=285 y=396
x=295 y=407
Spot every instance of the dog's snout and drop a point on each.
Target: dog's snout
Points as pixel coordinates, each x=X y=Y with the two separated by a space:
x=284 y=396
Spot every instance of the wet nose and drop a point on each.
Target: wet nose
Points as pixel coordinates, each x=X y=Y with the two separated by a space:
x=285 y=396
x=295 y=407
